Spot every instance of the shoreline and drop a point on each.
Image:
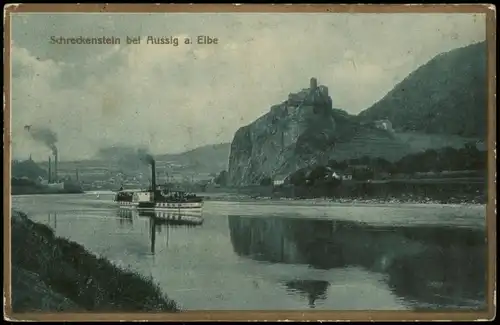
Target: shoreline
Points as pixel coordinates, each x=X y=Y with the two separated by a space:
x=46 y=193
x=362 y=193
x=241 y=197
x=16 y=192
x=342 y=201
x=51 y=274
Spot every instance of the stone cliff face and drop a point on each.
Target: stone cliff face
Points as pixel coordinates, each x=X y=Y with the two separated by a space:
x=263 y=148
x=301 y=131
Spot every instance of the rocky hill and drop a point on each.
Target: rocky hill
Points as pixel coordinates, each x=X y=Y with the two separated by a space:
x=447 y=95
x=301 y=131
x=442 y=103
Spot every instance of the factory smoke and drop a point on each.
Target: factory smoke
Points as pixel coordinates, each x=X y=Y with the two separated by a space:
x=124 y=155
x=43 y=135
x=145 y=156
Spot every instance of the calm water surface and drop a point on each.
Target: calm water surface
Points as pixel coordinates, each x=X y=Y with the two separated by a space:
x=288 y=255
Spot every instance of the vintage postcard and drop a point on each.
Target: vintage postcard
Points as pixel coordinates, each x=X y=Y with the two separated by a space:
x=249 y=162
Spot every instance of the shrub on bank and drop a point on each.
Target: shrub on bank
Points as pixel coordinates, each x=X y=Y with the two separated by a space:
x=91 y=282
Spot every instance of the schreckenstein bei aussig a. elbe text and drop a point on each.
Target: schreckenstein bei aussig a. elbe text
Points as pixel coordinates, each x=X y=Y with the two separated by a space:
x=112 y=40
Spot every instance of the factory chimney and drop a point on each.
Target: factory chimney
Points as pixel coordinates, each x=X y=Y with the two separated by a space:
x=55 y=167
x=50 y=170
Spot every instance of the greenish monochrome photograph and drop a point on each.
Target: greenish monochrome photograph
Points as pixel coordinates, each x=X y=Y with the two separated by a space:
x=195 y=161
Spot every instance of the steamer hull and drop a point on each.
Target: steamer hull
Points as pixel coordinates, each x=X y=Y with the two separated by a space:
x=171 y=206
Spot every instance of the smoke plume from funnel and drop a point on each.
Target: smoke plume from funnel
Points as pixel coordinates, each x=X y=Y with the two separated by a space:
x=148 y=158
x=43 y=135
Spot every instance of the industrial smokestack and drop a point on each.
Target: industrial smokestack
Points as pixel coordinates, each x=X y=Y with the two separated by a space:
x=50 y=170
x=55 y=167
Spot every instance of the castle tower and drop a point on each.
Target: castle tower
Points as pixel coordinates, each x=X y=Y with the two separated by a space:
x=323 y=90
x=313 y=83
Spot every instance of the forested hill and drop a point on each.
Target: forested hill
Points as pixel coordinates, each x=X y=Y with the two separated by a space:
x=447 y=95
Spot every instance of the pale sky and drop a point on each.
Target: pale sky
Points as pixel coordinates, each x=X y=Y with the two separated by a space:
x=172 y=99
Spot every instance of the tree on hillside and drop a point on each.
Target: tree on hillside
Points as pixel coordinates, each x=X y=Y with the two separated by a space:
x=318 y=173
x=266 y=181
x=342 y=165
x=381 y=165
x=362 y=174
x=298 y=178
x=221 y=179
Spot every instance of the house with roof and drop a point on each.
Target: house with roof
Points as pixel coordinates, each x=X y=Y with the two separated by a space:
x=340 y=175
x=333 y=173
x=280 y=179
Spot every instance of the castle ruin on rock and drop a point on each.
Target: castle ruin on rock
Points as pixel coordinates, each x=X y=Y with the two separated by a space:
x=270 y=144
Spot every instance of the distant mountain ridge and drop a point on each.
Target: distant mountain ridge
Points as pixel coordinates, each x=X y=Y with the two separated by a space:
x=213 y=158
x=208 y=159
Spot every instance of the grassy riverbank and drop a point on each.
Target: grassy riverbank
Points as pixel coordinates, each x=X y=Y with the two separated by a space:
x=54 y=274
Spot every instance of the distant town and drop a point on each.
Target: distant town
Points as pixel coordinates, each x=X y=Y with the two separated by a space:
x=100 y=175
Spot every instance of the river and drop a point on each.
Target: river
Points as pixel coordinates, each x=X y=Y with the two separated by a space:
x=281 y=255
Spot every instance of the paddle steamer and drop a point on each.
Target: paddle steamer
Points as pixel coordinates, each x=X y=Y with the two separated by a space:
x=177 y=203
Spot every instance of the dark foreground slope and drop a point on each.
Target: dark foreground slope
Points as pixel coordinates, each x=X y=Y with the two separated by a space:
x=53 y=274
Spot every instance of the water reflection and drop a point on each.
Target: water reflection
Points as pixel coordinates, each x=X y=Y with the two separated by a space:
x=312 y=289
x=52 y=219
x=156 y=223
x=125 y=218
x=429 y=267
